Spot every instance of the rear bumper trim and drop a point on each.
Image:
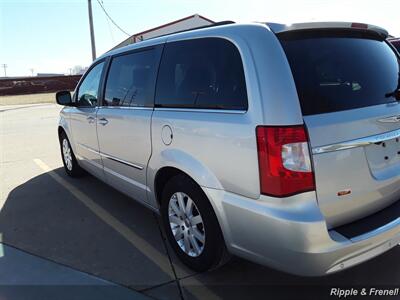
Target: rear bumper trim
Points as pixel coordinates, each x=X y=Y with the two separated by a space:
x=373 y=224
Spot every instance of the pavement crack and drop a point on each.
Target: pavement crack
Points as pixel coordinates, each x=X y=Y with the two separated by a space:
x=169 y=256
x=157 y=286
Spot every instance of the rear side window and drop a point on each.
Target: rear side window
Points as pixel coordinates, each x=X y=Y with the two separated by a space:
x=201 y=73
x=130 y=80
x=336 y=72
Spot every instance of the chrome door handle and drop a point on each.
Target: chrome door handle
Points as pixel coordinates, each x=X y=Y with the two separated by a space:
x=103 y=121
x=91 y=119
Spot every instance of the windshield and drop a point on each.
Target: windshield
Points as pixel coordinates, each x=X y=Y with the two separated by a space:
x=337 y=72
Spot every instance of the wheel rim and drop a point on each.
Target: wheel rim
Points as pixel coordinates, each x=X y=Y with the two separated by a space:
x=186 y=224
x=67 y=154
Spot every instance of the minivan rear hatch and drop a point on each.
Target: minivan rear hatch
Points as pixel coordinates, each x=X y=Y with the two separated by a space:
x=347 y=82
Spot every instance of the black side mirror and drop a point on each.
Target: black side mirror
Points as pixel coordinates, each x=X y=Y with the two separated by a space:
x=64 y=98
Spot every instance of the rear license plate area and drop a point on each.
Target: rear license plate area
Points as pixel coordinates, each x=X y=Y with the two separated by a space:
x=384 y=158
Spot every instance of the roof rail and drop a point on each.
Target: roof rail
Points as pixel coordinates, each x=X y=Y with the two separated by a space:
x=207 y=26
x=195 y=28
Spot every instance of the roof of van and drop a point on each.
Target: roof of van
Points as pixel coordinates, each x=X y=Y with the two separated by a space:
x=278 y=28
x=161 y=39
x=274 y=27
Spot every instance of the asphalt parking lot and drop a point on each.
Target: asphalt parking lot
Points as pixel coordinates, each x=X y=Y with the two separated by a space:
x=86 y=227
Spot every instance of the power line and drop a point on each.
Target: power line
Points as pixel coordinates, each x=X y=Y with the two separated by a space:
x=110 y=30
x=109 y=25
x=108 y=16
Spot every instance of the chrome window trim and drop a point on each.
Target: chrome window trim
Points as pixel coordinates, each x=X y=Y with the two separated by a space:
x=207 y=110
x=127 y=107
x=365 y=141
x=112 y=157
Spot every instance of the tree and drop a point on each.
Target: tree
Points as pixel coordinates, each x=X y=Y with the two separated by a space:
x=78 y=70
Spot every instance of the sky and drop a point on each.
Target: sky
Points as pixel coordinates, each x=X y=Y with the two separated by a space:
x=52 y=36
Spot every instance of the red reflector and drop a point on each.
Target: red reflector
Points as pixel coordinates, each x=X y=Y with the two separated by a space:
x=275 y=179
x=359 y=25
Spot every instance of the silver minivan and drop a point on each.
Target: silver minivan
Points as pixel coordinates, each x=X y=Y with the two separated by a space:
x=276 y=143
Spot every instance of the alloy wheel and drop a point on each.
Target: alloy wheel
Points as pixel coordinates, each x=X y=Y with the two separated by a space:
x=67 y=154
x=186 y=224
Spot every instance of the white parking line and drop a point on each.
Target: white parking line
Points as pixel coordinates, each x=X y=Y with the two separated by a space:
x=141 y=244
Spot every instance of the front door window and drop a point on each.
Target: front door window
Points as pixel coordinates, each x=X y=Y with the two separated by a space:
x=89 y=88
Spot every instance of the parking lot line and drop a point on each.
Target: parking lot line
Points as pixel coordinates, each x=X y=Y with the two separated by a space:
x=141 y=244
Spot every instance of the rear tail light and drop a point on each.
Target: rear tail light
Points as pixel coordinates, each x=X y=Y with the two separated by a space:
x=284 y=160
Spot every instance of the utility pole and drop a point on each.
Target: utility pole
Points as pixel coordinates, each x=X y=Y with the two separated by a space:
x=4 y=66
x=31 y=71
x=91 y=30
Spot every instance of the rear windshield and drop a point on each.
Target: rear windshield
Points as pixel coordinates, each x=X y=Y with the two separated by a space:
x=335 y=72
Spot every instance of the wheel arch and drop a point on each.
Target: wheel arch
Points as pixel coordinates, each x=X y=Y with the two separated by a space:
x=165 y=174
x=63 y=127
x=172 y=162
x=162 y=177
x=60 y=130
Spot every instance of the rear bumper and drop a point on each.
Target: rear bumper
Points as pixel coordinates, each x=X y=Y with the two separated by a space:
x=291 y=235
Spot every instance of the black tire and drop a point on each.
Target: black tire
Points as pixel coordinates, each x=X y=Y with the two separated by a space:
x=214 y=246
x=74 y=170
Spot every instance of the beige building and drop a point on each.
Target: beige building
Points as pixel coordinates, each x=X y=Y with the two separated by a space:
x=178 y=25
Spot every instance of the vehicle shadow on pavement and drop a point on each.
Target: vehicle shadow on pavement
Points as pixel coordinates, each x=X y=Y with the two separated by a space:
x=125 y=245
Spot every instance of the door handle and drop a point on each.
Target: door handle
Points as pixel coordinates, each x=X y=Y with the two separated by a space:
x=91 y=119
x=103 y=121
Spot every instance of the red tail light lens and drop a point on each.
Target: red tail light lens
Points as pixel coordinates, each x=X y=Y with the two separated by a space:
x=284 y=160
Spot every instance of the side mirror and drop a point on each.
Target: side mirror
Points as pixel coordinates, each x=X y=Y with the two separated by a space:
x=64 y=98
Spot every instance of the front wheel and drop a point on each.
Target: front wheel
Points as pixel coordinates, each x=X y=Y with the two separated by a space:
x=190 y=223
x=69 y=160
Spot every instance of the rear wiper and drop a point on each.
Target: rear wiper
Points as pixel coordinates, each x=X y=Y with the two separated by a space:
x=396 y=92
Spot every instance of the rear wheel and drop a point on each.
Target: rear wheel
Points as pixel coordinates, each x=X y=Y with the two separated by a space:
x=190 y=223
x=69 y=160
